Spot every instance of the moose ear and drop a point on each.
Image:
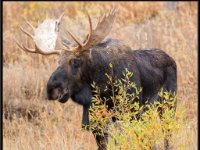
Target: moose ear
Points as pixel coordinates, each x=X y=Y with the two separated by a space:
x=75 y=64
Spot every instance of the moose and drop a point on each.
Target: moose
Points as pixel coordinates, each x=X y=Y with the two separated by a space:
x=86 y=62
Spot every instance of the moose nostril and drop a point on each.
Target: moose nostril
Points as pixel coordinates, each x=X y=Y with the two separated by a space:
x=66 y=91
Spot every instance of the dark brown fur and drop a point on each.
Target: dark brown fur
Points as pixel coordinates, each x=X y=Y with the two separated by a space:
x=152 y=70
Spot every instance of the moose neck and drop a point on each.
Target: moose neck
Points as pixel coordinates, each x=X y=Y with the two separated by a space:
x=97 y=65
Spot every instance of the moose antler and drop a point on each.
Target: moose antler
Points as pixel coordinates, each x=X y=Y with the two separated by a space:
x=45 y=35
x=96 y=35
x=39 y=35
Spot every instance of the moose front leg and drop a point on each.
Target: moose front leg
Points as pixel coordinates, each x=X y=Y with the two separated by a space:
x=85 y=118
x=83 y=97
x=101 y=139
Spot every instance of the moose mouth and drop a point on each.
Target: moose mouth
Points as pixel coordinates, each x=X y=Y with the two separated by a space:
x=63 y=98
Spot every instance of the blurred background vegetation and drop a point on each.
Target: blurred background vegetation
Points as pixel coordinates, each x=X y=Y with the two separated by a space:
x=28 y=117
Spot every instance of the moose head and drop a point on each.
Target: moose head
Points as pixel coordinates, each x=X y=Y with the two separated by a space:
x=73 y=60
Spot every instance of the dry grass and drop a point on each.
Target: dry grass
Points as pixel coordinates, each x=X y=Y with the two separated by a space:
x=31 y=122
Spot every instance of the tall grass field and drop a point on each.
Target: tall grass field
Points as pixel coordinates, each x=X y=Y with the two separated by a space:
x=30 y=122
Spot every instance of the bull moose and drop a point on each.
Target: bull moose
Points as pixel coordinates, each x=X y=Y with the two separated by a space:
x=86 y=62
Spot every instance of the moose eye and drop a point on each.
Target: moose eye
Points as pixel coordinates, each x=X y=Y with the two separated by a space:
x=59 y=89
x=76 y=62
x=56 y=85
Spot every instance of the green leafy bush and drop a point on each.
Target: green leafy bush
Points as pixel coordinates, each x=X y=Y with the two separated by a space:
x=137 y=127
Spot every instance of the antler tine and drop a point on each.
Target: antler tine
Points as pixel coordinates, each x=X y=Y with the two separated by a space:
x=27 y=33
x=112 y=11
x=75 y=39
x=25 y=48
x=36 y=50
x=101 y=30
x=30 y=24
x=61 y=16
x=21 y=46
x=90 y=33
x=40 y=51
x=63 y=43
x=101 y=18
x=115 y=10
x=90 y=23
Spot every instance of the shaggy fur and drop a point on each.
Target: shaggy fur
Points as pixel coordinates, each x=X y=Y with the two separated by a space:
x=152 y=69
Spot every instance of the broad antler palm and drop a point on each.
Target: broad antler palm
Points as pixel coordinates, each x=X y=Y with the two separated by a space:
x=95 y=36
x=37 y=37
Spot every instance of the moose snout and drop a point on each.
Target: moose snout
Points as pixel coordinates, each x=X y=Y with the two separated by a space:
x=52 y=94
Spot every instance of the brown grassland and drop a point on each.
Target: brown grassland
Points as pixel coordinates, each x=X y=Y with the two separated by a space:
x=31 y=122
